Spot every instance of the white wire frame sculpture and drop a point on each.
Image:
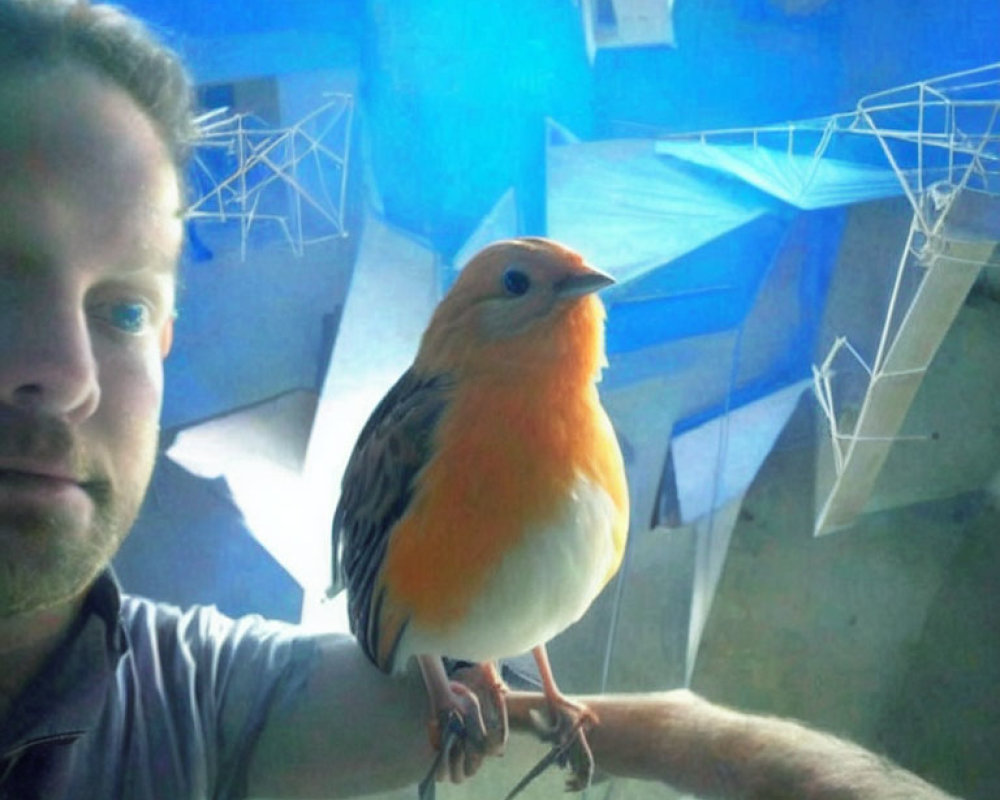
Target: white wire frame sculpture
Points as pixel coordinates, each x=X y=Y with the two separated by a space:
x=255 y=174
x=947 y=159
x=941 y=140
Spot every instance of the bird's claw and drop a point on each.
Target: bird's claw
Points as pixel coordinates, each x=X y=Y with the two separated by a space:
x=444 y=732
x=569 y=749
x=489 y=687
x=458 y=734
x=568 y=733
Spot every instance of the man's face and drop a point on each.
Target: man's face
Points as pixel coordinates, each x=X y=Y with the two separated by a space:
x=89 y=237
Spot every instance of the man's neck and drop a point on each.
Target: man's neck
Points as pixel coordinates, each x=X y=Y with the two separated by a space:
x=26 y=641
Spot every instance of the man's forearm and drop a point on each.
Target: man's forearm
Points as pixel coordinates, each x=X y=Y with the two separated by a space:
x=692 y=745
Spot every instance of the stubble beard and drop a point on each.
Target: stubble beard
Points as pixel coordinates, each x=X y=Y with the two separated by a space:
x=61 y=556
x=66 y=565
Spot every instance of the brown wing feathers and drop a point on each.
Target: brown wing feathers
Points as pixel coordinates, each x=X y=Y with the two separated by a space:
x=378 y=484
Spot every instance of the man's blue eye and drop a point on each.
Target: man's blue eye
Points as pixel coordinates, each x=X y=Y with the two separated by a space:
x=129 y=317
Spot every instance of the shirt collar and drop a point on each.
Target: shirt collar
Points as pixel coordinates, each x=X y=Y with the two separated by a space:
x=67 y=696
x=104 y=600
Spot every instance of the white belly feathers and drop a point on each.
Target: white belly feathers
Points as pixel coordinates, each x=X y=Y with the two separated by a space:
x=541 y=588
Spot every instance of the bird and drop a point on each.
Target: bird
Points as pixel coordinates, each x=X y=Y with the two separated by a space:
x=485 y=505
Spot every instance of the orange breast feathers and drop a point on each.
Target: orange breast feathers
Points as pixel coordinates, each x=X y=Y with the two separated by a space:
x=523 y=425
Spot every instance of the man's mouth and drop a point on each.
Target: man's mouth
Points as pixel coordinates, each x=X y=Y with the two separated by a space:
x=42 y=486
x=43 y=469
x=22 y=475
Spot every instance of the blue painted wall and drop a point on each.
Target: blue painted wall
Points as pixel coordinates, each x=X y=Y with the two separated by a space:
x=452 y=97
x=457 y=95
x=454 y=94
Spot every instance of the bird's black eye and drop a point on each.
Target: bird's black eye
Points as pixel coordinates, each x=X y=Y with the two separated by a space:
x=516 y=282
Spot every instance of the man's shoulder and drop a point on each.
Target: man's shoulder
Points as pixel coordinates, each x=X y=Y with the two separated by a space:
x=151 y=623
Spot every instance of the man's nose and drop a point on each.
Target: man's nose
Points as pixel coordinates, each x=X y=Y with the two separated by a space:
x=47 y=362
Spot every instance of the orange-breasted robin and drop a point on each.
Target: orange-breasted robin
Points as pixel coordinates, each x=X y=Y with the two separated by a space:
x=485 y=504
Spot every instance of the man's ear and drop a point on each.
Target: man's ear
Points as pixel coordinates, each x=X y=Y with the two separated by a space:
x=167 y=336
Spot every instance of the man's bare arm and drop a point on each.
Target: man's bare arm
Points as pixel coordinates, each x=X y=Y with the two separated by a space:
x=357 y=731
x=684 y=741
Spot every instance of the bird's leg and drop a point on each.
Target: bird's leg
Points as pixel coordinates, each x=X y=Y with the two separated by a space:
x=456 y=728
x=559 y=704
x=567 y=727
x=486 y=677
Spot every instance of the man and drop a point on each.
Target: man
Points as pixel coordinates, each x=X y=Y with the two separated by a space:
x=105 y=696
x=91 y=143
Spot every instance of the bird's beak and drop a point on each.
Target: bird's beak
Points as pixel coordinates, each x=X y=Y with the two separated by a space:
x=581 y=283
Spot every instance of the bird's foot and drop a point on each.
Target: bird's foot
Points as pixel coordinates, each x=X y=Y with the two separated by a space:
x=458 y=723
x=468 y=720
x=457 y=732
x=565 y=725
x=485 y=681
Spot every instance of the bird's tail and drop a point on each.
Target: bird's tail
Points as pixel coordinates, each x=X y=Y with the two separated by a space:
x=338 y=577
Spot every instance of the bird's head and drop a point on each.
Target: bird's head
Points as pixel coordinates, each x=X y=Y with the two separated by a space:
x=526 y=301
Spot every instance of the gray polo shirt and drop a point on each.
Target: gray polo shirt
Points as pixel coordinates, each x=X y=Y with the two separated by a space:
x=144 y=700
